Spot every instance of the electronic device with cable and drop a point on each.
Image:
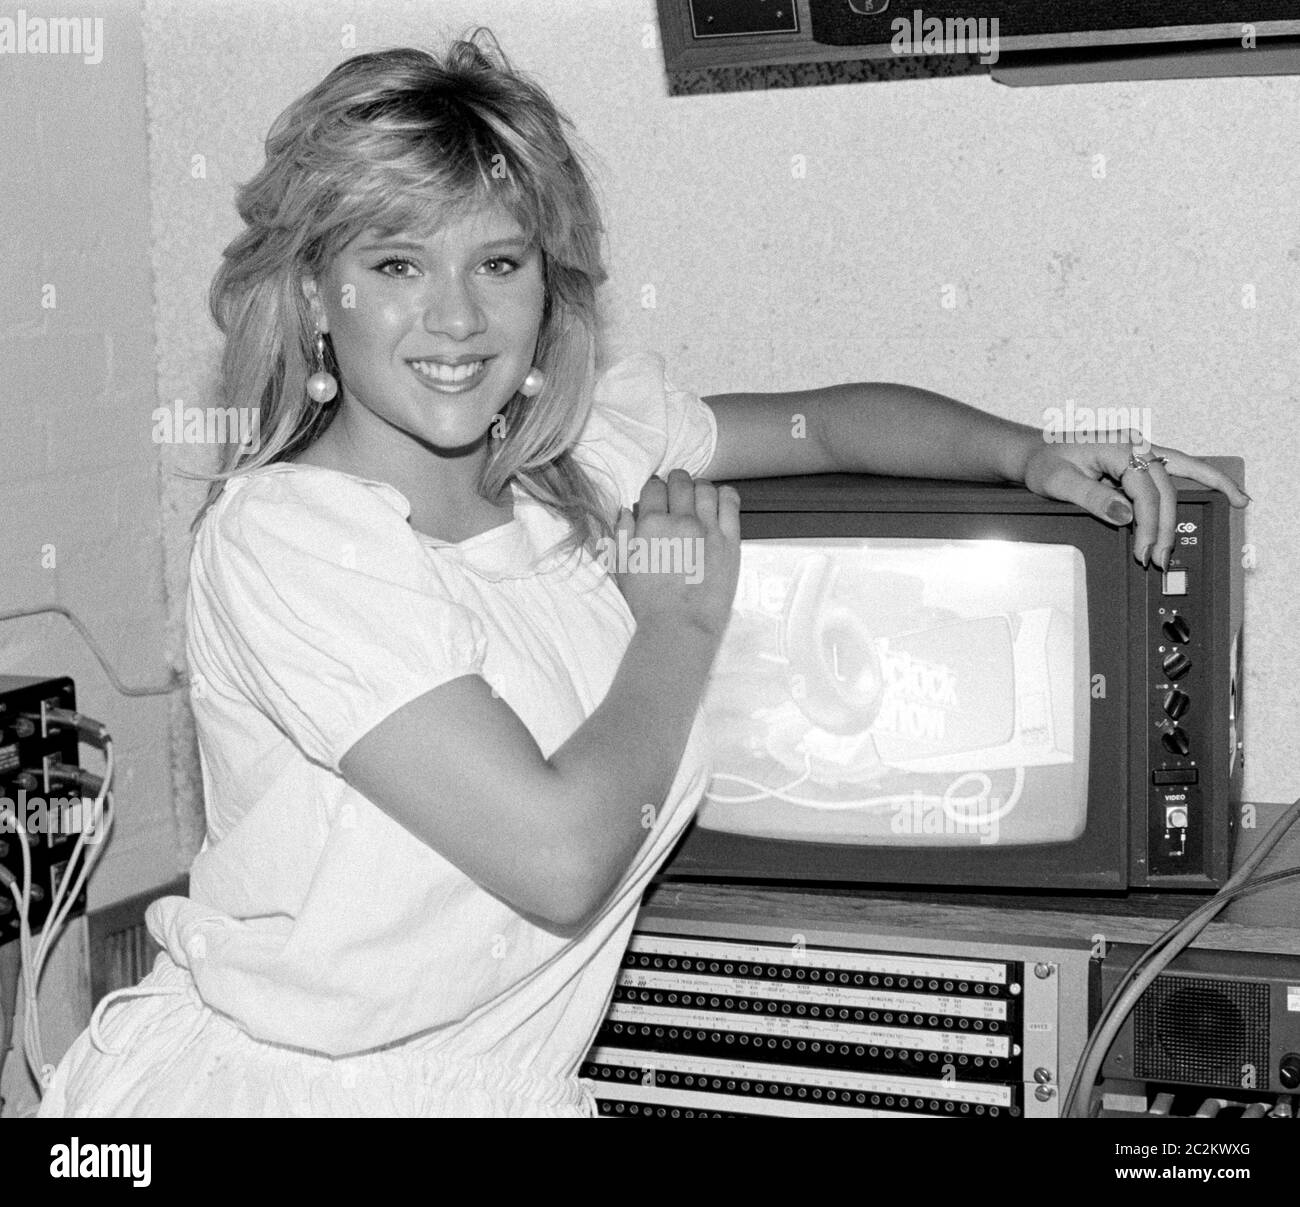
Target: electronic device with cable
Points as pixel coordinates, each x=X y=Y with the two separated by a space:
x=967 y=684
x=52 y=829
x=41 y=790
x=1221 y=1023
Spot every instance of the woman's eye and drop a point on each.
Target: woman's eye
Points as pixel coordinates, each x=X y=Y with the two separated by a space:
x=500 y=266
x=387 y=264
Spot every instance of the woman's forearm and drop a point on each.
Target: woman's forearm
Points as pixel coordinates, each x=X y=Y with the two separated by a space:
x=618 y=766
x=885 y=428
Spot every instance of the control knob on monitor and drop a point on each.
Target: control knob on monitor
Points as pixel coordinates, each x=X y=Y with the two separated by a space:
x=1175 y=740
x=1288 y=1071
x=1176 y=665
x=1177 y=629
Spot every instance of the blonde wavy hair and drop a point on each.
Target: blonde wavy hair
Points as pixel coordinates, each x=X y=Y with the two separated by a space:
x=388 y=140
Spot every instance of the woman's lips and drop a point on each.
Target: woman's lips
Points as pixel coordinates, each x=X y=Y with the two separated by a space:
x=448 y=379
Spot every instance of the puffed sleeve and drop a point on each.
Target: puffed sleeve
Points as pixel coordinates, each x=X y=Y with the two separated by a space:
x=311 y=594
x=640 y=425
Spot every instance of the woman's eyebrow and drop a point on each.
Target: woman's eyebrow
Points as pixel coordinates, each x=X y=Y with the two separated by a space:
x=512 y=242
x=395 y=244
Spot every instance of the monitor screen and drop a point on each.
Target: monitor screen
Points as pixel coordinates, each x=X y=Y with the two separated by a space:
x=903 y=691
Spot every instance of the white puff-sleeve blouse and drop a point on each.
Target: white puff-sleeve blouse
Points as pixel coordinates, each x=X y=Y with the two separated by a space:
x=318 y=926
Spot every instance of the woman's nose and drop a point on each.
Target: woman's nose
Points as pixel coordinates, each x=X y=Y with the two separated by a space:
x=454 y=310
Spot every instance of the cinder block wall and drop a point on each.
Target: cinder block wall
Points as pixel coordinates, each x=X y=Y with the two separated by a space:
x=79 y=486
x=79 y=472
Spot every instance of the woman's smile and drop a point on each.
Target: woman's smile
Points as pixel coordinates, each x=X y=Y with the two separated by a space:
x=448 y=378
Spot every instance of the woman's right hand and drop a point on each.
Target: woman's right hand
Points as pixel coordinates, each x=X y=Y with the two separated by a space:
x=691 y=555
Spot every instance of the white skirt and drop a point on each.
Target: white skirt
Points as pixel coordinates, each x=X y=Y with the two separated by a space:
x=158 y=1051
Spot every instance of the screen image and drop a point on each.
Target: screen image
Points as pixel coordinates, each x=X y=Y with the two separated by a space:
x=902 y=691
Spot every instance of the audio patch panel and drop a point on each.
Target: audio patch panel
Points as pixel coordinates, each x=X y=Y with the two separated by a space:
x=724 y=1021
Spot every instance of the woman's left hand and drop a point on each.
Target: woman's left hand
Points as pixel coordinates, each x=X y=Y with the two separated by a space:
x=1081 y=473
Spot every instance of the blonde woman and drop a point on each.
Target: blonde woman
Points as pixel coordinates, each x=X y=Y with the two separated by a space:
x=444 y=747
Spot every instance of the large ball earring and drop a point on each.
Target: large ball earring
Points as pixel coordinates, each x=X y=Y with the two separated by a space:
x=533 y=383
x=322 y=386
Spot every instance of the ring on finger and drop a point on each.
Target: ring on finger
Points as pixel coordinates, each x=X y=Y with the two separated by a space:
x=1141 y=464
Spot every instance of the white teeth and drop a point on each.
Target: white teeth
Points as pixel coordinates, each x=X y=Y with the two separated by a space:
x=447 y=373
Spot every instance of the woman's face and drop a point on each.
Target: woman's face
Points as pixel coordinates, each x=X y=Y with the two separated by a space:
x=433 y=334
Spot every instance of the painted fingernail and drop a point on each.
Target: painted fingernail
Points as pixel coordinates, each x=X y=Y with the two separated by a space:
x=1143 y=555
x=1118 y=512
x=1162 y=559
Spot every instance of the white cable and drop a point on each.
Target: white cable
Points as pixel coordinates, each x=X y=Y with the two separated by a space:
x=915 y=799
x=63 y=900
x=177 y=681
x=32 y=961
x=22 y=899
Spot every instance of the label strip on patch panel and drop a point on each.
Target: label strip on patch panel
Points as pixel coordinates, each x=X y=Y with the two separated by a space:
x=664 y=1064
x=840 y=960
x=732 y=1104
x=812 y=994
x=963 y=1042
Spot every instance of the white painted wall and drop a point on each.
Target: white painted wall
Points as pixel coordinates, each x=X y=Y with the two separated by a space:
x=1099 y=241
